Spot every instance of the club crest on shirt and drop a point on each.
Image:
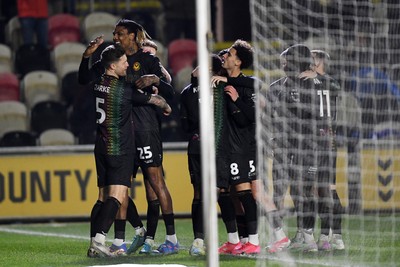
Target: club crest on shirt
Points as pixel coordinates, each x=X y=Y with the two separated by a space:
x=136 y=66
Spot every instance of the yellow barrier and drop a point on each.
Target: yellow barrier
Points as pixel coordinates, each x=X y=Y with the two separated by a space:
x=380 y=179
x=65 y=185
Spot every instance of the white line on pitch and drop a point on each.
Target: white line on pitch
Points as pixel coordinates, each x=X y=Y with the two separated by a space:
x=26 y=232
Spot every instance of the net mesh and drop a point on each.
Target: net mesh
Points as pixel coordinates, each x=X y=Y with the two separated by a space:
x=363 y=42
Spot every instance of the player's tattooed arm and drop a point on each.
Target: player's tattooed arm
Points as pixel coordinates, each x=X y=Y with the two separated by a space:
x=160 y=102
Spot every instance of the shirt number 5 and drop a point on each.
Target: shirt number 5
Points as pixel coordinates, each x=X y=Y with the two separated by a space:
x=100 y=110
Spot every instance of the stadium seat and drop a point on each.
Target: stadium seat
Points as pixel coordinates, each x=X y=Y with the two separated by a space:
x=66 y=57
x=162 y=53
x=40 y=85
x=82 y=119
x=145 y=19
x=6 y=59
x=181 y=53
x=13 y=117
x=99 y=23
x=48 y=115
x=56 y=137
x=31 y=57
x=18 y=139
x=87 y=137
x=182 y=78
x=63 y=28
x=70 y=88
x=9 y=87
x=13 y=33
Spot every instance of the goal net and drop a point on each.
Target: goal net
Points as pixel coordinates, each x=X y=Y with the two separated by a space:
x=362 y=40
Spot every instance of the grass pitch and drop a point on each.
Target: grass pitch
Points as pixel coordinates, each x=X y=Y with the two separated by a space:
x=370 y=241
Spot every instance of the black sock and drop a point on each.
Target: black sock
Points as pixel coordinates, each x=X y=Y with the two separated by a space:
x=309 y=206
x=250 y=210
x=337 y=213
x=227 y=211
x=325 y=218
x=197 y=218
x=107 y=215
x=119 y=229
x=241 y=226
x=275 y=219
x=132 y=215
x=95 y=211
x=153 y=214
x=169 y=220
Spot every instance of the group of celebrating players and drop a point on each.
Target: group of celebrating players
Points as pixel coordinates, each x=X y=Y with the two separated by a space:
x=130 y=88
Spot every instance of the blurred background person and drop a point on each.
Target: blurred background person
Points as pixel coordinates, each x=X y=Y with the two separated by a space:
x=33 y=16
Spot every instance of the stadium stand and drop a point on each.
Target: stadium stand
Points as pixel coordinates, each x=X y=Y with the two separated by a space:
x=145 y=19
x=182 y=78
x=13 y=33
x=9 y=87
x=40 y=85
x=13 y=117
x=181 y=53
x=99 y=23
x=63 y=28
x=31 y=57
x=70 y=88
x=18 y=139
x=162 y=52
x=56 y=137
x=48 y=115
x=67 y=57
x=6 y=58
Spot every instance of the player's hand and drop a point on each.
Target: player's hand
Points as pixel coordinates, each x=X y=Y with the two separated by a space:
x=308 y=74
x=147 y=80
x=93 y=45
x=160 y=102
x=167 y=110
x=231 y=92
x=195 y=72
x=215 y=80
x=155 y=90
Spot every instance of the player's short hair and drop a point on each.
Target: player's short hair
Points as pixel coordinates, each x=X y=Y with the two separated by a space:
x=133 y=27
x=111 y=54
x=150 y=43
x=244 y=52
x=223 y=52
x=216 y=64
x=320 y=54
x=298 y=58
x=323 y=55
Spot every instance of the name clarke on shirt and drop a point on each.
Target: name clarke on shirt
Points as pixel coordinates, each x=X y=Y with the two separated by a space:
x=102 y=88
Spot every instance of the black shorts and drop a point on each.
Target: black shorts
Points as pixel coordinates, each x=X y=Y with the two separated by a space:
x=241 y=168
x=114 y=170
x=194 y=163
x=149 y=151
x=292 y=168
x=222 y=166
